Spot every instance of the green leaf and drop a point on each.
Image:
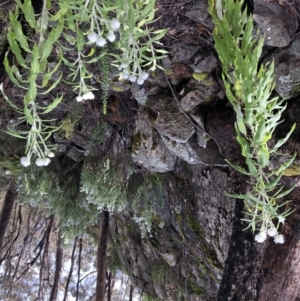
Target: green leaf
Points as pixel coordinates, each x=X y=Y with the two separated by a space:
x=59 y=15
x=131 y=16
x=53 y=105
x=53 y=85
x=238 y=168
x=18 y=32
x=283 y=140
x=285 y=165
x=274 y=182
x=52 y=38
x=251 y=165
x=9 y=71
x=29 y=13
x=284 y=193
x=147 y=9
x=14 y=47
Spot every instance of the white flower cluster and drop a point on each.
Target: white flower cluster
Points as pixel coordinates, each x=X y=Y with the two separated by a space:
x=272 y=232
x=41 y=161
x=131 y=76
x=100 y=41
x=85 y=96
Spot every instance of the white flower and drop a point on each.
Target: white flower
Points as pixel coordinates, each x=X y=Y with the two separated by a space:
x=50 y=154
x=115 y=24
x=272 y=231
x=261 y=236
x=140 y=81
x=281 y=219
x=111 y=36
x=122 y=66
x=144 y=75
x=132 y=78
x=100 y=41
x=279 y=239
x=42 y=161
x=124 y=74
x=92 y=37
x=25 y=161
x=88 y=95
x=79 y=98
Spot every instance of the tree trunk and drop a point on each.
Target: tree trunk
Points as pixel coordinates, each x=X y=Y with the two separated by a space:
x=101 y=256
x=6 y=210
x=58 y=266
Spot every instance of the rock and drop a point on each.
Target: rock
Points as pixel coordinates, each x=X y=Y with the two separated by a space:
x=273 y=29
x=198 y=11
x=182 y=150
x=181 y=52
x=148 y=148
x=275 y=22
x=191 y=100
x=287 y=72
x=170 y=122
x=201 y=135
x=295 y=47
x=139 y=93
x=204 y=63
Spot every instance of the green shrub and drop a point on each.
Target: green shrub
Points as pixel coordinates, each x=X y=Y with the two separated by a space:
x=249 y=88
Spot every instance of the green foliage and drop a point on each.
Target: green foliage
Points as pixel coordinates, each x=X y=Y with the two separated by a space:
x=101 y=186
x=147 y=203
x=36 y=67
x=249 y=88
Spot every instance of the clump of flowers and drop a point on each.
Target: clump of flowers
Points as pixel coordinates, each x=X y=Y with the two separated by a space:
x=271 y=231
x=85 y=96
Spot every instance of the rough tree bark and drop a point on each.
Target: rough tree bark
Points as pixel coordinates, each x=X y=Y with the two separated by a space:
x=101 y=256
x=58 y=266
x=6 y=210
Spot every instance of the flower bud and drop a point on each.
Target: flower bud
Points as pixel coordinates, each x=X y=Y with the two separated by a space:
x=79 y=98
x=144 y=75
x=125 y=74
x=88 y=95
x=140 y=81
x=111 y=36
x=100 y=41
x=115 y=24
x=92 y=37
x=279 y=239
x=132 y=78
x=25 y=161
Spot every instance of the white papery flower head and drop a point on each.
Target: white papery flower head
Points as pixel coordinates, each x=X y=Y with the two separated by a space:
x=125 y=74
x=111 y=36
x=132 y=78
x=92 y=37
x=272 y=231
x=144 y=75
x=279 y=239
x=100 y=41
x=79 y=98
x=261 y=236
x=140 y=81
x=281 y=219
x=114 y=24
x=50 y=154
x=25 y=161
x=122 y=66
x=42 y=161
x=88 y=95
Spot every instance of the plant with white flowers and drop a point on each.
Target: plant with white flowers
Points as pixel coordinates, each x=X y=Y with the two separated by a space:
x=73 y=25
x=249 y=88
